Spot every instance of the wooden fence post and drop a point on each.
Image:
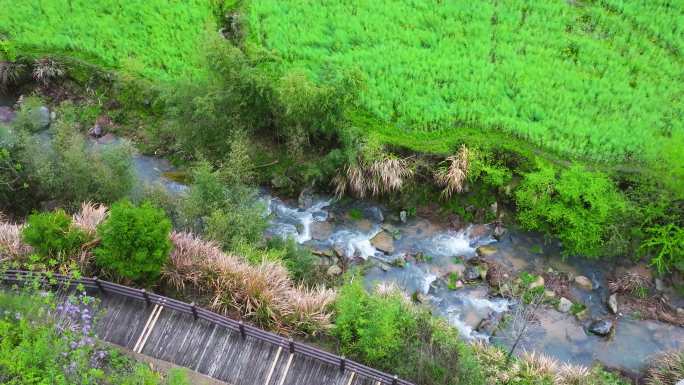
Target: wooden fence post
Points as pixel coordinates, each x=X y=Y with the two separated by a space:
x=193 y=307
x=241 y=327
x=146 y=296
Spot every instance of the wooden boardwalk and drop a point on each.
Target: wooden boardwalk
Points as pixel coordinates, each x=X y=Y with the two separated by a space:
x=181 y=334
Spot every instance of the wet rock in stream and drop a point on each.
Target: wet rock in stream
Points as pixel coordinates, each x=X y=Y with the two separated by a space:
x=601 y=327
x=564 y=305
x=471 y=273
x=384 y=242
x=613 y=304
x=584 y=283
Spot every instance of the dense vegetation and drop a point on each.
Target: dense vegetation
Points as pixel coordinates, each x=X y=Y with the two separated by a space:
x=567 y=113
x=155 y=39
x=37 y=347
x=580 y=80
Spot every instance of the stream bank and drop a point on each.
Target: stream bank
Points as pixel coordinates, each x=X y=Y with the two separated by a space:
x=419 y=254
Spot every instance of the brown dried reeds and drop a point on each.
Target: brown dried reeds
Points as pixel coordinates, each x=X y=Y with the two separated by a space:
x=452 y=174
x=11 y=245
x=530 y=365
x=382 y=176
x=90 y=216
x=264 y=293
x=46 y=70
x=629 y=283
x=666 y=368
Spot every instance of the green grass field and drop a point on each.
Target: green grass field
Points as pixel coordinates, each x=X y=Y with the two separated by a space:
x=158 y=39
x=601 y=81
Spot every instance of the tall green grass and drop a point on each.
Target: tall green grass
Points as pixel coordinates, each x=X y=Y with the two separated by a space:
x=585 y=81
x=158 y=39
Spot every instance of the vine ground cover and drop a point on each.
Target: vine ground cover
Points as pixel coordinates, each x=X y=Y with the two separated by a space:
x=591 y=80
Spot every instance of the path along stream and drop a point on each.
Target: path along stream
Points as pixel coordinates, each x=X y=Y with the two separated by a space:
x=346 y=229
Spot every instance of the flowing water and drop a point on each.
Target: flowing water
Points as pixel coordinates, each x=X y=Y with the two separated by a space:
x=326 y=226
x=347 y=228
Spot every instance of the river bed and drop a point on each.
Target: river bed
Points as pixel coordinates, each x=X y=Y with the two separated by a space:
x=345 y=229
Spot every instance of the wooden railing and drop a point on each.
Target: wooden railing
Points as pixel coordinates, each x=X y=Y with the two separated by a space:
x=200 y=313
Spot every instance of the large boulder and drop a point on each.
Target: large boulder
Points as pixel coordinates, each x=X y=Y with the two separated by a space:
x=601 y=327
x=384 y=242
x=584 y=282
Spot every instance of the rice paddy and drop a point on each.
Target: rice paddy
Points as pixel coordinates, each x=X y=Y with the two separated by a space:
x=601 y=80
x=158 y=39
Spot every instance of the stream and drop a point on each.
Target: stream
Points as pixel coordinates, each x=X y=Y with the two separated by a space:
x=365 y=232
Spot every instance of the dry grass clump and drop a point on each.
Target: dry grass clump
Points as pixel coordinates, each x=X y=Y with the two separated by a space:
x=629 y=283
x=46 y=70
x=264 y=294
x=666 y=369
x=529 y=366
x=381 y=176
x=453 y=176
x=11 y=245
x=90 y=216
x=10 y=73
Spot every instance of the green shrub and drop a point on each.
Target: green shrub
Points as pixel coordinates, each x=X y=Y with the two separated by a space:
x=389 y=333
x=576 y=205
x=135 y=242
x=52 y=234
x=666 y=244
x=299 y=261
x=228 y=213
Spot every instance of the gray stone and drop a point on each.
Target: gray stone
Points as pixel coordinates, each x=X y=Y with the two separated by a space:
x=659 y=284
x=7 y=115
x=384 y=242
x=305 y=199
x=95 y=131
x=471 y=273
x=402 y=216
x=584 y=282
x=564 y=305
x=321 y=231
x=613 y=304
x=375 y=213
x=334 y=270
x=680 y=382
x=601 y=327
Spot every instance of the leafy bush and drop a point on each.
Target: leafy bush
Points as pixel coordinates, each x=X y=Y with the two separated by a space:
x=62 y=169
x=299 y=261
x=227 y=213
x=135 y=242
x=576 y=205
x=666 y=244
x=52 y=234
x=384 y=330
